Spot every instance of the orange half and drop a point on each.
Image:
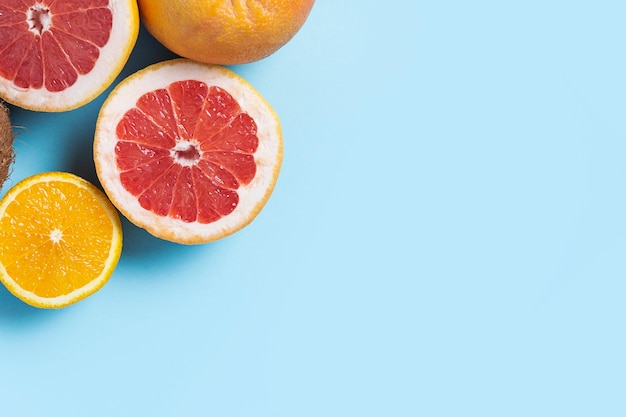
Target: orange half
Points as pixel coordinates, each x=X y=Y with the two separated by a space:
x=60 y=239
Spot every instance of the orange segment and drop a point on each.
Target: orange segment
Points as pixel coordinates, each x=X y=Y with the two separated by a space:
x=60 y=239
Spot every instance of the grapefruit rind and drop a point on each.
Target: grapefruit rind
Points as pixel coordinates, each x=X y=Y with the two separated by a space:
x=113 y=57
x=253 y=196
x=110 y=263
x=224 y=32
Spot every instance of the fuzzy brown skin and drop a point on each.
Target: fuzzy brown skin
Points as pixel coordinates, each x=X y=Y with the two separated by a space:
x=7 y=155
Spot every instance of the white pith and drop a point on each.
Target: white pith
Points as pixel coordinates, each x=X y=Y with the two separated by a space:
x=56 y=235
x=182 y=146
x=252 y=197
x=44 y=19
x=112 y=58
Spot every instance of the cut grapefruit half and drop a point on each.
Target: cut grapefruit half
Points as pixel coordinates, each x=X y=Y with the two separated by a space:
x=190 y=152
x=57 y=55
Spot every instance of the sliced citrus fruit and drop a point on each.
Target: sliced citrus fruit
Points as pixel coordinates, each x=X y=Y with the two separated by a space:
x=60 y=239
x=57 y=55
x=188 y=151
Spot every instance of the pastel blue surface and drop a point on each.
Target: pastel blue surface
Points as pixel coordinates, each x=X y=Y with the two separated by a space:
x=447 y=236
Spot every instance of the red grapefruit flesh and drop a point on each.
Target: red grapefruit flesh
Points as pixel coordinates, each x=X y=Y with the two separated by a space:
x=60 y=54
x=191 y=152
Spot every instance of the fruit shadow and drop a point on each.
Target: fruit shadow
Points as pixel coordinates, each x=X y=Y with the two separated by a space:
x=147 y=51
x=140 y=248
x=14 y=313
x=17 y=317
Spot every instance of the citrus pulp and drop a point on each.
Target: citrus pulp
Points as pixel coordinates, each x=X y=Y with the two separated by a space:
x=57 y=55
x=60 y=239
x=188 y=151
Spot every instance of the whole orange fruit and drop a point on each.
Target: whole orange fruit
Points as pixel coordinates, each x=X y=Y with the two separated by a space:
x=224 y=32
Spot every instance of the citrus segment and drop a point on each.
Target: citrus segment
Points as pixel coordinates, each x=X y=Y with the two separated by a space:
x=189 y=151
x=58 y=55
x=60 y=239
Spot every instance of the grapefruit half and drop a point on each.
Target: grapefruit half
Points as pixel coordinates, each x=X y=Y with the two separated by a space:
x=57 y=55
x=188 y=151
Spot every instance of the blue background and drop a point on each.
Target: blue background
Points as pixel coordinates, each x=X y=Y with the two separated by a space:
x=447 y=236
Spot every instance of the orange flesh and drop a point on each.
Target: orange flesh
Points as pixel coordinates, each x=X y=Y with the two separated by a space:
x=184 y=150
x=49 y=43
x=62 y=242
